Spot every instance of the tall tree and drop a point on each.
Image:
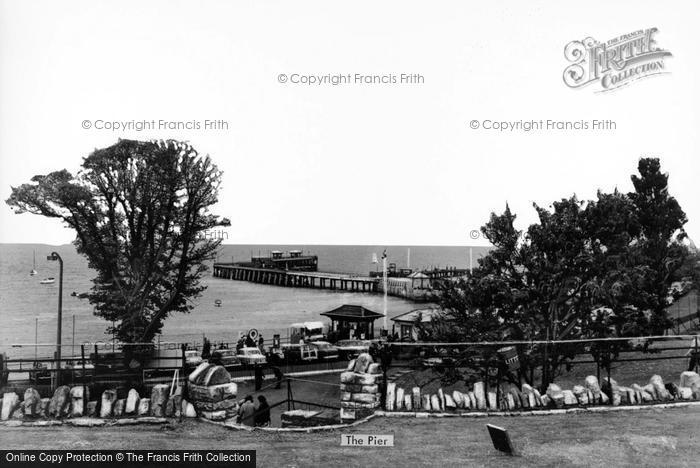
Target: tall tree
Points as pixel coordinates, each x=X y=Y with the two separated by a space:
x=140 y=211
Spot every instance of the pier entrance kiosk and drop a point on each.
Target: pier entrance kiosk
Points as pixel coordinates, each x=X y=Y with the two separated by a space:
x=352 y=322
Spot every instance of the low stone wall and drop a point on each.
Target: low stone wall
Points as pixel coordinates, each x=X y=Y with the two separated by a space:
x=510 y=397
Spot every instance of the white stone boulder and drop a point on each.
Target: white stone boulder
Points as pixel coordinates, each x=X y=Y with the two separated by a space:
x=415 y=394
x=408 y=402
x=660 y=391
x=457 y=397
x=399 y=399
x=425 y=403
x=390 y=396
x=642 y=394
x=119 y=406
x=77 y=401
x=556 y=395
x=187 y=409
x=362 y=363
x=591 y=383
x=569 y=398
x=685 y=393
x=450 y=403
x=144 y=407
x=435 y=403
x=60 y=402
x=472 y=401
x=31 y=404
x=581 y=395
x=132 y=402
x=492 y=399
x=109 y=396
x=159 y=397
x=480 y=395
x=10 y=403
x=688 y=379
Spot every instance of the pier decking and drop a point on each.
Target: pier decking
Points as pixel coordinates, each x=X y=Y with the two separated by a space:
x=296 y=279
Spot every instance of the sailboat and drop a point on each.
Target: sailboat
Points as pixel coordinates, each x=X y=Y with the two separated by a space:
x=33 y=272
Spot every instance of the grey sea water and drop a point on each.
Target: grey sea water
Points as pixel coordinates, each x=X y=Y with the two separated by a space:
x=27 y=307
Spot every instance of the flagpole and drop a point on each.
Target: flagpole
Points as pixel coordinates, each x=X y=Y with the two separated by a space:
x=385 y=288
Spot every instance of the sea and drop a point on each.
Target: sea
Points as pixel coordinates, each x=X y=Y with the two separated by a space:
x=28 y=309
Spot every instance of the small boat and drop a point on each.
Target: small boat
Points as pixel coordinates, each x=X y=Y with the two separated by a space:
x=49 y=280
x=33 y=272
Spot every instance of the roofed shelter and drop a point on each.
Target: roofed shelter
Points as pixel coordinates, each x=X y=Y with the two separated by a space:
x=352 y=321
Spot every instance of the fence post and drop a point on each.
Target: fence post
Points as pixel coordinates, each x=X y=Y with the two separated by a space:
x=82 y=356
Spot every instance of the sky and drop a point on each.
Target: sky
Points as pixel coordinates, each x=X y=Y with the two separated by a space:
x=359 y=162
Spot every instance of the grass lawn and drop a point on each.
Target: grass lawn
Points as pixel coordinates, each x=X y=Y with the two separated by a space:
x=651 y=437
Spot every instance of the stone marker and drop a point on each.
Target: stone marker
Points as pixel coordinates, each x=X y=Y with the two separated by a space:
x=10 y=403
x=399 y=399
x=362 y=363
x=689 y=378
x=426 y=402
x=188 y=410
x=592 y=384
x=109 y=396
x=199 y=370
x=659 y=389
x=581 y=394
x=642 y=393
x=544 y=399
x=351 y=365
x=556 y=395
x=77 y=402
x=457 y=397
x=390 y=396
x=450 y=403
x=144 y=406
x=119 y=406
x=415 y=393
x=435 y=403
x=472 y=401
x=60 y=402
x=480 y=395
x=493 y=403
x=159 y=397
x=92 y=408
x=31 y=405
x=685 y=393
x=44 y=412
x=132 y=402
x=510 y=401
x=569 y=398
x=408 y=402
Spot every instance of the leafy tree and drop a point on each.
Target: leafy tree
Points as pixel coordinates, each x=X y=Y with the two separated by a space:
x=590 y=269
x=139 y=210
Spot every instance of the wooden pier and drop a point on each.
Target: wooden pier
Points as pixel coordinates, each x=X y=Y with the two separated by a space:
x=295 y=279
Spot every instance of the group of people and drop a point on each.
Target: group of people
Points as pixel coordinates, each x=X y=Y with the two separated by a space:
x=250 y=415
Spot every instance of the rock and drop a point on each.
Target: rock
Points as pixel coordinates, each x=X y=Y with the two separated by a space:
x=351 y=365
x=480 y=395
x=60 y=402
x=374 y=368
x=187 y=409
x=77 y=400
x=144 y=406
x=159 y=397
x=457 y=398
x=44 y=412
x=408 y=402
x=132 y=402
x=581 y=394
x=215 y=375
x=569 y=398
x=450 y=403
x=92 y=409
x=556 y=395
x=612 y=391
x=10 y=403
x=472 y=401
x=390 y=396
x=529 y=393
x=31 y=405
x=688 y=379
x=510 y=401
x=415 y=394
x=360 y=379
x=197 y=373
x=538 y=398
x=545 y=401
x=441 y=399
x=493 y=402
x=513 y=390
x=362 y=363
x=369 y=389
x=660 y=391
x=119 y=406
x=649 y=388
x=435 y=403
x=604 y=398
x=399 y=399
x=685 y=393
x=642 y=394
x=591 y=383
x=591 y=397
x=426 y=402
x=18 y=414
x=109 y=396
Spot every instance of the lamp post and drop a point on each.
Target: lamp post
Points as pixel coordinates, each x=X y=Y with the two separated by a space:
x=53 y=257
